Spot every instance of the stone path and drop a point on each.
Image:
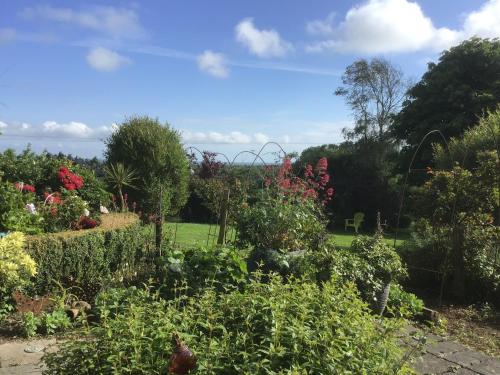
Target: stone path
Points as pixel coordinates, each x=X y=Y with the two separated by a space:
x=24 y=357
x=441 y=356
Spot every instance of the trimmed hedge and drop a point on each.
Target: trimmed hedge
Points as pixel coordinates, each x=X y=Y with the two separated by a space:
x=87 y=258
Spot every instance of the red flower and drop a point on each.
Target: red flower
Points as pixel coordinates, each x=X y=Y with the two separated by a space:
x=54 y=198
x=322 y=165
x=285 y=183
x=69 y=180
x=329 y=192
x=309 y=171
x=24 y=187
x=310 y=193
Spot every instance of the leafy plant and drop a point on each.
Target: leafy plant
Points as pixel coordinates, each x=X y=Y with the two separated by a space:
x=14 y=215
x=30 y=324
x=120 y=176
x=202 y=266
x=55 y=321
x=16 y=265
x=402 y=304
x=266 y=328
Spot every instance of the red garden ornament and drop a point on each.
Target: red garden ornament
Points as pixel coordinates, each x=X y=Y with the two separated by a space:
x=182 y=360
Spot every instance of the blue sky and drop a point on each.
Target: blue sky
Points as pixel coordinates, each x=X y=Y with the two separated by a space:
x=229 y=75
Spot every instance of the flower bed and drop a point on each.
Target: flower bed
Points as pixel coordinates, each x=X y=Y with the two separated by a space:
x=42 y=194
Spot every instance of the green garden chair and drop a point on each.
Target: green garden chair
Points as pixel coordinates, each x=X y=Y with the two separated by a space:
x=355 y=222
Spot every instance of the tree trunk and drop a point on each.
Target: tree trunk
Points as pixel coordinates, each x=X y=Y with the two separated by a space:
x=122 y=200
x=458 y=254
x=158 y=233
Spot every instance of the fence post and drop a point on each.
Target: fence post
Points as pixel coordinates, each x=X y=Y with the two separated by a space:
x=223 y=218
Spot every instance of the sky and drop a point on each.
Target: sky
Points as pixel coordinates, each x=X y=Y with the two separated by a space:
x=228 y=75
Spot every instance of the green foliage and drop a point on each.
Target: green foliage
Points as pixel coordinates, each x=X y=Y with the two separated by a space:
x=30 y=324
x=382 y=260
x=55 y=321
x=277 y=224
x=47 y=323
x=155 y=152
x=202 y=266
x=466 y=150
x=268 y=328
x=120 y=176
x=13 y=213
x=452 y=94
x=374 y=91
x=460 y=207
x=85 y=259
x=402 y=304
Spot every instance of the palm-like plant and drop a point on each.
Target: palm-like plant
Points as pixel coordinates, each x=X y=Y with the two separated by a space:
x=119 y=176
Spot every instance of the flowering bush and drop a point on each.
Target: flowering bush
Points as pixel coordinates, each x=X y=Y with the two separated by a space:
x=289 y=216
x=62 y=211
x=69 y=180
x=17 y=211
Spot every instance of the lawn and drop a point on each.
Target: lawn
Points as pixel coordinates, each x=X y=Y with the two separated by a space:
x=189 y=234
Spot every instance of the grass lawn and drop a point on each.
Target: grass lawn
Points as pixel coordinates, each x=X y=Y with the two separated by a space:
x=189 y=234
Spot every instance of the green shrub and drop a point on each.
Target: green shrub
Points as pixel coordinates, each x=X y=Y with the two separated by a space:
x=273 y=223
x=402 y=304
x=13 y=213
x=268 y=328
x=47 y=322
x=86 y=259
x=202 y=266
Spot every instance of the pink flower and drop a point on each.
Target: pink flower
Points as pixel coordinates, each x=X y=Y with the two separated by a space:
x=329 y=192
x=322 y=164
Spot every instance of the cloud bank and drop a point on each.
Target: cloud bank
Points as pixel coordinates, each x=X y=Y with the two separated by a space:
x=393 y=26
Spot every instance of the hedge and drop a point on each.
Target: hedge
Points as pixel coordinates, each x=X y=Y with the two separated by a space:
x=86 y=259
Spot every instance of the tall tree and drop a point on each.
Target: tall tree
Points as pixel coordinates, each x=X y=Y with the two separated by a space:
x=154 y=151
x=374 y=91
x=452 y=95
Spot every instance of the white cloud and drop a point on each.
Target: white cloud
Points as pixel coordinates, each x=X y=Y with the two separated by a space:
x=213 y=63
x=321 y=27
x=54 y=129
x=106 y=60
x=382 y=26
x=262 y=43
x=234 y=137
x=484 y=22
x=261 y=138
x=115 y=22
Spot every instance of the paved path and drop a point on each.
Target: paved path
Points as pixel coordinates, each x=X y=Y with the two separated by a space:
x=442 y=356
x=24 y=357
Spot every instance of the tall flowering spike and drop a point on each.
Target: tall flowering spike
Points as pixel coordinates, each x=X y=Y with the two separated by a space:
x=322 y=165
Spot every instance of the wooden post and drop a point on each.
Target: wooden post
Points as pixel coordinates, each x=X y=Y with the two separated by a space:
x=159 y=224
x=223 y=218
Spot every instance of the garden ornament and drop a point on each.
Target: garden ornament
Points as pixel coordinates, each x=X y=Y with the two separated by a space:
x=182 y=360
